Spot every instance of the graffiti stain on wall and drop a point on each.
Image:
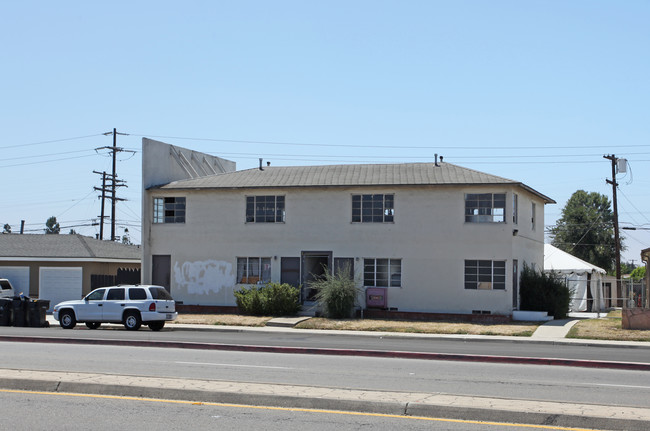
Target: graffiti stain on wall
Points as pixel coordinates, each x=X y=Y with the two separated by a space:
x=203 y=277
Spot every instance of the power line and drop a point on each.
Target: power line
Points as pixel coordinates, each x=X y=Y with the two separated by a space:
x=50 y=142
x=429 y=147
x=44 y=161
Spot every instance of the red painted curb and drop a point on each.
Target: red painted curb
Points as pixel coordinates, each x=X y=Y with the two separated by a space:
x=585 y=363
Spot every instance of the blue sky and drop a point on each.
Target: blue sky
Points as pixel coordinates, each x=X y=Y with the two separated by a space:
x=536 y=91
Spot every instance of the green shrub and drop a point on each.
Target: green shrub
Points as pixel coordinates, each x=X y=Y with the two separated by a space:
x=336 y=293
x=271 y=299
x=540 y=291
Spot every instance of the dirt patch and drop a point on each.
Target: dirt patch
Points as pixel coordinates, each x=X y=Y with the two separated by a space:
x=523 y=329
x=222 y=319
x=608 y=328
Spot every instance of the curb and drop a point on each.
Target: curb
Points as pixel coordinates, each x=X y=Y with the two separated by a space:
x=635 y=366
x=361 y=401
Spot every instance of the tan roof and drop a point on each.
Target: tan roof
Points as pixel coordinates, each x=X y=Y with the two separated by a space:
x=64 y=247
x=398 y=174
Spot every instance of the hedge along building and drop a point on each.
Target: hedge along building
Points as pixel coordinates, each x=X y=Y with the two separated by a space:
x=437 y=237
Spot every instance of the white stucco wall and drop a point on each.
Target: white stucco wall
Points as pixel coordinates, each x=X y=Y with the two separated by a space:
x=429 y=234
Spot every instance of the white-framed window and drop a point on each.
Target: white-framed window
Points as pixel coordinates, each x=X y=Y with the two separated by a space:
x=485 y=207
x=375 y=208
x=169 y=210
x=382 y=272
x=265 y=209
x=253 y=270
x=515 y=208
x=485 y=274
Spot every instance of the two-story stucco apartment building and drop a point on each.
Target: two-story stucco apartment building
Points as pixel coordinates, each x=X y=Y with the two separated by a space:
x=438 y=237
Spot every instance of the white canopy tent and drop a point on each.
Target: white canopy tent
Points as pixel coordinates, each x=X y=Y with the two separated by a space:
x=580 y=276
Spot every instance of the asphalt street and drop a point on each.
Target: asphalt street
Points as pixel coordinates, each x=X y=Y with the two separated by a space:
x=228 y=385
x=344 y=342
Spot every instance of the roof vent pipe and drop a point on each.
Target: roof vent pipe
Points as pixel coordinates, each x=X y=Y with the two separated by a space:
x=436 y=163
x=261 y=168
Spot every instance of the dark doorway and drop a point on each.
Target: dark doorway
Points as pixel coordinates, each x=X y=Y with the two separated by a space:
x=290 y=271
x=515 y=284
x=161 y=265
x=313 y=266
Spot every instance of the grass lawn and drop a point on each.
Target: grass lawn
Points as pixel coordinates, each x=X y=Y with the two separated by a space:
x=222 y=319
x=518 y=329
x=607 y=328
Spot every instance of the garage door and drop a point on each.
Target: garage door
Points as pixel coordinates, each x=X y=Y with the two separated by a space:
x=18 y=276
x=59 y=284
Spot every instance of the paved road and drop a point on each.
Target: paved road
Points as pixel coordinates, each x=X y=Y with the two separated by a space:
x=58 y=411
x=596 y=386
x=463 y=345
x=576 y=396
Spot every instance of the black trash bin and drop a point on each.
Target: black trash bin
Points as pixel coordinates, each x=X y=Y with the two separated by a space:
x=36 y=313
x=19 y=308
x=5 y=311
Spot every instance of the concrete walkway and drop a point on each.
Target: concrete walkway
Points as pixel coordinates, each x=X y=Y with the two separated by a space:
x=554 y=329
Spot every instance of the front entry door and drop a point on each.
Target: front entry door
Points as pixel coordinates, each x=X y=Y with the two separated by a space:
x=313 y=265
x=515 y=284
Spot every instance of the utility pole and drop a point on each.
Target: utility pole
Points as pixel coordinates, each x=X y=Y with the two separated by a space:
x=115 y=182
x=617 y=239
x=103 y=198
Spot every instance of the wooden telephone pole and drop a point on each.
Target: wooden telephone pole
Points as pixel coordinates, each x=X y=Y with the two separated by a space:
x=617 y=238
x=114 y=182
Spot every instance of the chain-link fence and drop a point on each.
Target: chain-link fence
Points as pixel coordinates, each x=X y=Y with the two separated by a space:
x=602 y=294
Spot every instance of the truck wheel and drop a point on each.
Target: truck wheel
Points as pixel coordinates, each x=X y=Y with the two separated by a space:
x=132 y=320
x=93 y=325
x=67 y=320
x=156 y=326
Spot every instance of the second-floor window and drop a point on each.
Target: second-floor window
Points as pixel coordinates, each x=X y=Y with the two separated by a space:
x=169 y=210
x=485 y=207
x=265 y=209
x=377 y=208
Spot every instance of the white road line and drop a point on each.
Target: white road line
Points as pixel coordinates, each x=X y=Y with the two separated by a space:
x=233 y=365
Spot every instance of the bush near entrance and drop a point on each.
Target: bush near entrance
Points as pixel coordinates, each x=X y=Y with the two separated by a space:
x=271 y=299
x=540 y=291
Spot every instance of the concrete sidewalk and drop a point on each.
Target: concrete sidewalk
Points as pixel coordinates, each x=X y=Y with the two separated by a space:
x=554 y=329
x=325 y=398
x=552 y=332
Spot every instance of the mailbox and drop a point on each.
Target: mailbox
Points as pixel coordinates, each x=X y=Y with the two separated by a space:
x=376 y=297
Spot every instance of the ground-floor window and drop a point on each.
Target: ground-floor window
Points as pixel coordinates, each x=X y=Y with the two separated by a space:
x=252 y=270
x=382 y=272
x=485 y=274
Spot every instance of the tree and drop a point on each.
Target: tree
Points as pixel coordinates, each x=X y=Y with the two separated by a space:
x=627 y=267
x=7 y=228
x=586 y=229
x=52 y=226
x=638 y=273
